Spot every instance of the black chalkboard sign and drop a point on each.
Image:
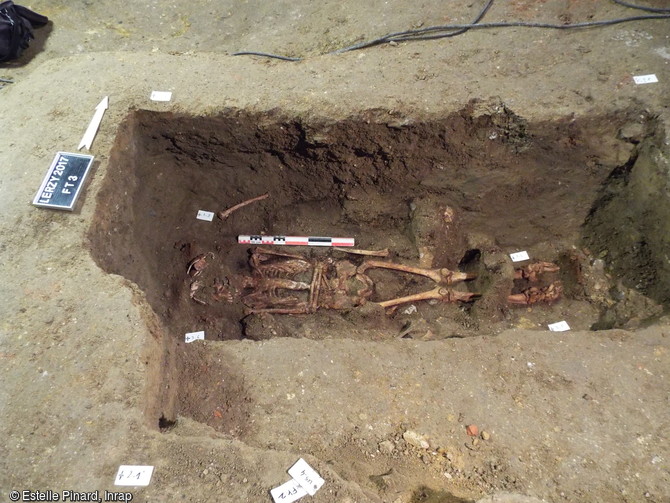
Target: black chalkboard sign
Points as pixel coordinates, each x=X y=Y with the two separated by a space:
x=63 y=181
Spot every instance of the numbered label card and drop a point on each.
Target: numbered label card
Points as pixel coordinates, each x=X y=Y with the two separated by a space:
x=161 y=95
x=133 y=475
x=519 y=256
x=306 y=476
x=194 y=336
x=560 y=326
x=288 y=492
x=645 y=79
x=205 y=215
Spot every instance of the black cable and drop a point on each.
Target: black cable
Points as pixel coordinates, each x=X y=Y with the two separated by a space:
x=389 y=37
x=640 y=7
x=419 y=34
x=520 y=24
x=265 y=54
x=434 y=32
x=370 y=43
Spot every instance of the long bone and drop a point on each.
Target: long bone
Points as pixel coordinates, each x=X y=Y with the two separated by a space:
x=440 y=276
x=268 y=251
x=438 y=293
x=300 y=308
x=315 y=288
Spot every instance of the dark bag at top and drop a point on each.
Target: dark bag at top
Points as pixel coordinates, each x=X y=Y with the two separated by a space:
x=16 y=29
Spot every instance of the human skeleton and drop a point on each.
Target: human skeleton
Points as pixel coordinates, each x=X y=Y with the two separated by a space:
x=286 y=283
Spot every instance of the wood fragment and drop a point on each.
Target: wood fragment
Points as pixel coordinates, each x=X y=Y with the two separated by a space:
x=372 y=253
x=225 y=214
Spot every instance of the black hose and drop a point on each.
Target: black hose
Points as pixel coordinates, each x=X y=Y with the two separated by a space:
x=632 y=6
x=437 y=32
x=520 y=24
x=265 y=54
x=390 y=36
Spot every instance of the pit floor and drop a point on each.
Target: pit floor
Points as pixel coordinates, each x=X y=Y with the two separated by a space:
x=86 y=363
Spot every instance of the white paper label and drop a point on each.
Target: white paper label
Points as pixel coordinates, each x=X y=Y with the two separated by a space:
x=645 y=79
x=560 y=326
x=288 y=492
x=131 y=475
x=161 y=95
x=205 y=215
x=194 y=336
x=519 y=256
x=306 y=476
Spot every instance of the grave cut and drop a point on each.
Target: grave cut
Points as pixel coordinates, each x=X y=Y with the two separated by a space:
x=461 y=191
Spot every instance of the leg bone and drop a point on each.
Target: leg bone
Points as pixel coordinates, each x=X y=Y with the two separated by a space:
x=300 y=309
x=438 y=293
x=441 y=276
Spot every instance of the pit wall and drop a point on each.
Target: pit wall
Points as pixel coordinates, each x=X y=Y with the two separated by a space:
x=636 y=190
x=629 y=226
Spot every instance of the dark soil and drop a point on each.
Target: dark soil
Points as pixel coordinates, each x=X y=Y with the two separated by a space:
x=460 y=192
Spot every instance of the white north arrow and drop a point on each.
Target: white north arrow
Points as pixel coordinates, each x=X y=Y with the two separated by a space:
x=92 y=128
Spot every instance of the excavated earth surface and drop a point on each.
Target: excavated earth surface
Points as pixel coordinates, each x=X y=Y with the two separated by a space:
x=451 y=153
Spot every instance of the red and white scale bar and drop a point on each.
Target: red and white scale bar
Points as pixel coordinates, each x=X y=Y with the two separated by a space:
x=295 y=240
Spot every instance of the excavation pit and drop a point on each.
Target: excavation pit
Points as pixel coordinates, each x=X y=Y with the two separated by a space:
x=461 y=192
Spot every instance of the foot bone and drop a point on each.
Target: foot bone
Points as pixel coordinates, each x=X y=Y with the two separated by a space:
x=533 y=295
x=532 y=271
